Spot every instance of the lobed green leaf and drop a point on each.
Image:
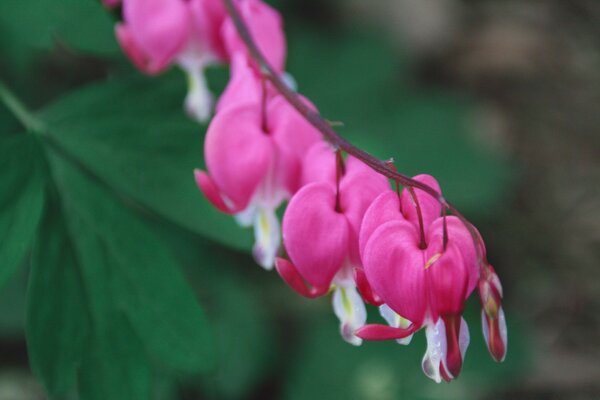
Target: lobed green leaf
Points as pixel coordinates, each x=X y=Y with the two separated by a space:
x=21 y=199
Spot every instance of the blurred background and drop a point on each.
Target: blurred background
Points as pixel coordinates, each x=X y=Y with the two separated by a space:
x=498 y=99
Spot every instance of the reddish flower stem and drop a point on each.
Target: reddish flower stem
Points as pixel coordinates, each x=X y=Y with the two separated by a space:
x=423 y=243
x=315 y=119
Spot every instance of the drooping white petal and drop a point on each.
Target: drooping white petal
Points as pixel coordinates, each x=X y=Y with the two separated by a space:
x=267 y=237
x=484 y=328
x=436 y=350
x=464 y=338
x=199 y=100
x=351 y=311
x=395 y=320
x=503 y=330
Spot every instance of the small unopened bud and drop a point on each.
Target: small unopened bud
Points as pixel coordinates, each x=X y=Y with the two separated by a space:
x=492 y=315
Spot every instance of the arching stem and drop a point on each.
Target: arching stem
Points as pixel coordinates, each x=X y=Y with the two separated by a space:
x=321 y=124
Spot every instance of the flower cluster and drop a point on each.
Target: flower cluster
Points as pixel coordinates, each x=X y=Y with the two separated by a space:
x=344 y=231
x=193 y=34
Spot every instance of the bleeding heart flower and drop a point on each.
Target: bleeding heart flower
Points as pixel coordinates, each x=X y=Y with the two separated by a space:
x=320 y=232
x=423 y=267
x=158 y=33
x=253 y=151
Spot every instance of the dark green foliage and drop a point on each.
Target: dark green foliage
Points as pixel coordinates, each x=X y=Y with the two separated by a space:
x=21 y=200
x=141 y=144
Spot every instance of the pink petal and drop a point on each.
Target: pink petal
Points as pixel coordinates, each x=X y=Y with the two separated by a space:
x=292 y=277
x=355 y=166
x=383 y=332
x=357 y=193
x=211 y=191
x=159 y=28
x=364 y=288
x=394 y=265
x=209 y=16
x=266 y=27
x=244 y=86
x=430 y=207
x=136 y=55
x=319 y=164
x=293 y=136
x=315 y=235
x=457 y=340
x=385 y=208
x=459 y=237
x=238 y=153
x=290 y=129
x=448 y=277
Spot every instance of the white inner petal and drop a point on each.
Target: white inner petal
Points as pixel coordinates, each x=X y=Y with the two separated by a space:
x=503 y=330
x=199 y=99
x=267 y=237
x=436 y=350
x=247 y=216
x=395 y=320
x=350 y=309
x=464 y=338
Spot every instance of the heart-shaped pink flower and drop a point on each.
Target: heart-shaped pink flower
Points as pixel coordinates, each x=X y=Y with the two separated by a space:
x=320 y=232
x=423 y=267
x=253 y=150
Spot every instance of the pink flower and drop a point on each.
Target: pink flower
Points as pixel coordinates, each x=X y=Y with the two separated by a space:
x=158 y=33
x=320 y=232
x=253 y=151
x=265 y=26
x=423 y=267
x=154 y=32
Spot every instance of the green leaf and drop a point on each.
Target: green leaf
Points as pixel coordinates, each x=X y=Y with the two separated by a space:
x=21 y=200
x=57 y=318
x=120 y=256
x=31 y=25
x=245 y=341
x=115 y=366
x=328 y=368
x=13 y=304
x=134 y=135
x=356 y=79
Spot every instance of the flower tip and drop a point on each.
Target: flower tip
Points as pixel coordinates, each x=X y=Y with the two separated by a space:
x=292 y=277
x=135 y=53
x=364 y=288
x=495 y=334
x=209 y=188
